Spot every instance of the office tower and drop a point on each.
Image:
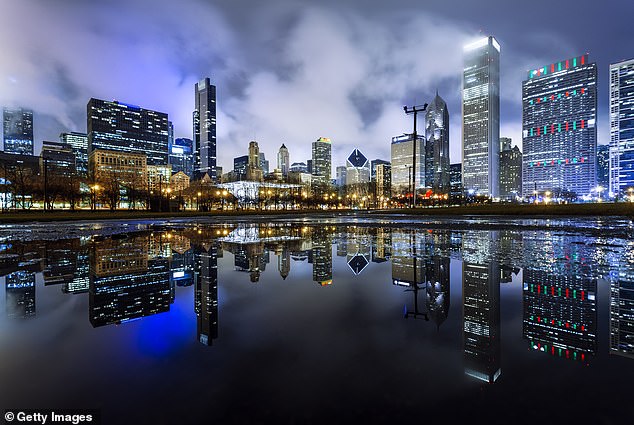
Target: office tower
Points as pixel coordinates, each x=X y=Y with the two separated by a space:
x=17 y=131
x=560 y=313
x=455 y=176
x=283 y=160
x=126 y=282
x=309 y=165
x=57 y=160
x=158 y=178
x=481 y=117
x=322 y=256
x=264 y=164
x=510 y=170
x=284 y=262
x=254 y=169
x=357 y=169
x=298 y=167
x=206 y=294
x=340 y=173
x=373 y=165
x=120 y=127
x=79 y=144
x=240 y=165
x=603 y=166
x=621 y=128
x=112 y=168
x=622 y=311
x=437 y=146
x=383 y=181
x=20 y=294
x=481 y=307
x=181 y=156
x=402 y=156
x=322 y=153
x=205 y=128
x=559 y=134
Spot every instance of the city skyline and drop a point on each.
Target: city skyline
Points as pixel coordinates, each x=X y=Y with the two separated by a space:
x=258 y=80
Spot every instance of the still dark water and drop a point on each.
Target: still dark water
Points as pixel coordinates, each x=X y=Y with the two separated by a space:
x=382 y=320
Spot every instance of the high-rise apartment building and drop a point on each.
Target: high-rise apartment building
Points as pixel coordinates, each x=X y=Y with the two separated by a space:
x=437 y=146
x=322 y=155
x=17 y=130
x=373 y=166
x=79 y=144
x=283 y=160
x=402 y=158
x=205 y=127
x=120 y=127
x=481 y=117
x=622 y=127
x=383 y=181
x=559 y=133
x=340 y=172
x=254 y=167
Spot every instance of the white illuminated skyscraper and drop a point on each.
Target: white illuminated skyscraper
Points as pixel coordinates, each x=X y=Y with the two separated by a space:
x=481 y=117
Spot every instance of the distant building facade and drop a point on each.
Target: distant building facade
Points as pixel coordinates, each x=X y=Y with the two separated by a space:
x=510 y=171
x=17 y=131
x=79 y=144
x=181 y=156
x=402 y=155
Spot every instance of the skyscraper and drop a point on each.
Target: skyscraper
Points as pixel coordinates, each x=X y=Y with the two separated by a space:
x=603 y=166
x=510 y=170
x=383 y=181
x=283 y=160
x=120 y=127
x=181 y=156
x=340 y=173
x=401 y=155
x=205 y=127
x=357 y=168
x=254 y=168
x=559 y=134
x=437 y=146
x=622 y=127
x=18 y=131
x=79 y=144
x=481 y=117
x=322 y=154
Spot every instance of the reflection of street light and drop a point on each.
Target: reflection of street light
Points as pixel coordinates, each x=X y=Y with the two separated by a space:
x=94 y=189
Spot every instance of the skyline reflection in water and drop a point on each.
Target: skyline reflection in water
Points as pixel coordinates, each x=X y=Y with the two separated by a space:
x=463 y=287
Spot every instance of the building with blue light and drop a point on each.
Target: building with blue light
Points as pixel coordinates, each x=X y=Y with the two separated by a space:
x=120 y=127
x=603 y=166
x=622 y=128
x=559 y=133
x=181 y=156
x=17 y=126
x=481 y=117
x=79 y=144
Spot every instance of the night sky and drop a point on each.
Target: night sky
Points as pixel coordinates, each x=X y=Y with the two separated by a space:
x=290 y=72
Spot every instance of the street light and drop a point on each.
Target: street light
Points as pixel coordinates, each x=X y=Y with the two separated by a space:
x=94 y=188
x=198 y=201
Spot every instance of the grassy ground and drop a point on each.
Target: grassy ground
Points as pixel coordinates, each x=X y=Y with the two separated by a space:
x=521 y=210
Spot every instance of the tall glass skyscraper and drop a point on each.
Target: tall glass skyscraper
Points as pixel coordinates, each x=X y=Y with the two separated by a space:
x=205 y=127
x=322 y=154
x=17 y=131
x=437 y=146
x=181 y=156
x=79 y=143
x=283 y=160
x=559 y=134
x=622 y=127
x=120 y=127
x=481 y=117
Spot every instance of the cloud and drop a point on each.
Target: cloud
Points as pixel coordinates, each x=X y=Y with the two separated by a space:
x=285 y=73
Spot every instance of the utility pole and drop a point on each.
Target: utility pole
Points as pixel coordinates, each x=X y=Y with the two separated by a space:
x=414 y=110
x=45 y=183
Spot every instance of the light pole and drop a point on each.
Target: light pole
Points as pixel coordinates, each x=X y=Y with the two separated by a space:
x=198 y=201
x=414 y=110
